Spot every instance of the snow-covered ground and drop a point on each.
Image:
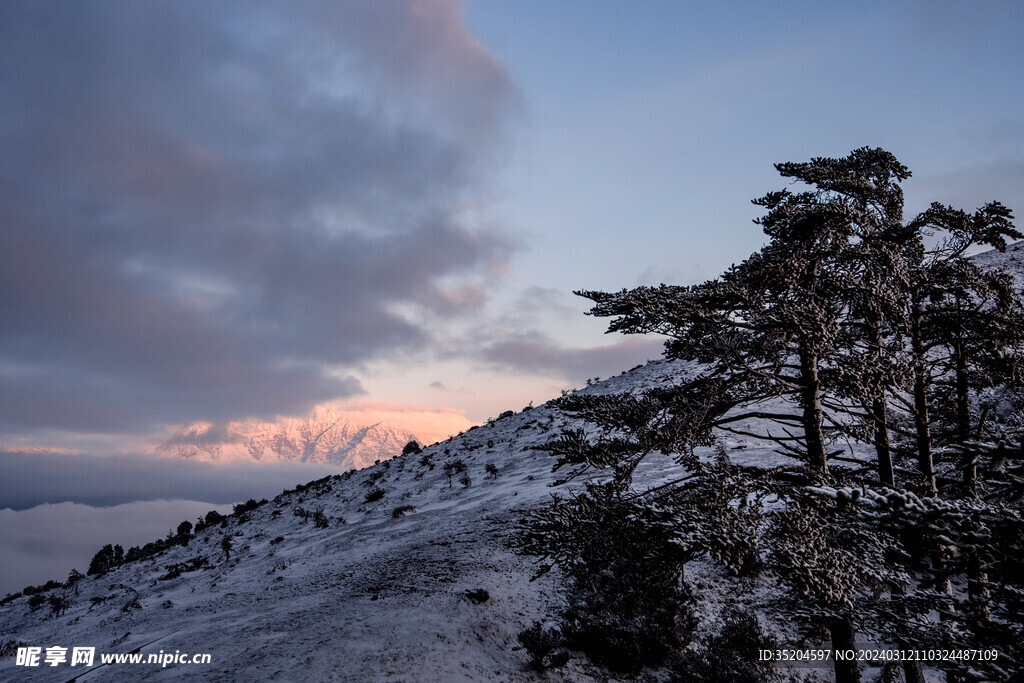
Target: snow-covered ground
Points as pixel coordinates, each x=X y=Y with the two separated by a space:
x=376 y=596
x=381 y=593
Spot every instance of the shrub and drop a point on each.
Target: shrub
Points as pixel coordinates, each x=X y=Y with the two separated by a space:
x=279 y=539
x=411 y=448
x=251 y=504
x=73 y=578
x=212 y=518
x=732 y=655
x=629 y=607
x=492 y=470
x=545 y=646
x=36 y=601
x=58 y=605
x=320 y=519
x=177 y=569
x=400 y=511
x=374 y=494
x=225 y=545
x=106 y=559
x=465 y=480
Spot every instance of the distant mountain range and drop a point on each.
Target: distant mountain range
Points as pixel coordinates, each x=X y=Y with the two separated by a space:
x=325 y=437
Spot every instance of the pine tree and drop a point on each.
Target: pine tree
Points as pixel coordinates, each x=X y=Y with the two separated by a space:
x=967 y=326
x=846 y=314
x=782 y=323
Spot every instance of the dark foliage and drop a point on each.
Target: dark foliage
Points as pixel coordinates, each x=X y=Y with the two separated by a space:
x=868 y=334
x=108 y=557
x=732 y=656
x=545 y=646
x=630 y=607
x=402 y=510
x=177 y=569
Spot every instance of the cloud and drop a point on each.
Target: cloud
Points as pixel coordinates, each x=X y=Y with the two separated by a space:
x=32 y=479
x=202 y=434
x=210 y=211
x=48 y=541
x=538 y=354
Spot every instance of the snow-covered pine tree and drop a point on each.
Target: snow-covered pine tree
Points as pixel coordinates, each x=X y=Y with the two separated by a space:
x=966 y=328
x=783 y=322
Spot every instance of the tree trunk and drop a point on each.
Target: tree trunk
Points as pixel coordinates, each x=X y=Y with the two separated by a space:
x=977 y=586
x=924 y=438
x=841 y=630
x=912 y=672
x=963 y=417
x=812 y=417
x=878 y=406
x=882 y=448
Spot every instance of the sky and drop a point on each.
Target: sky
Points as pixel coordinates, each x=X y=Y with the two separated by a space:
x=242 y=210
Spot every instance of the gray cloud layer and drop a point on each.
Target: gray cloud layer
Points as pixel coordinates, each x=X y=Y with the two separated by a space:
x=32 y=479
x=204 y=206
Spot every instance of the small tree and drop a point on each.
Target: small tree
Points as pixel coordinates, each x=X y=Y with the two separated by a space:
x=73 y=578
x=225 y=545
x=104 y=560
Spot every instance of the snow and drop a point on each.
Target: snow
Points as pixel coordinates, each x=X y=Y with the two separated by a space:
x=372 y=597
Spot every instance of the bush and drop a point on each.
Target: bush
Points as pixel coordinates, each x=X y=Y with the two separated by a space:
x=374 y=494
x=629 y=607
x=225 y=545
x=411 y=448
x=106 y=559
x=251 y=504
x=401 y=510
x=320 y=519
x=58 y=605
x=453 y=467
x=546 y=647
x=492 y=470
x=212 y=518
x=177 y=569
x=732 y=655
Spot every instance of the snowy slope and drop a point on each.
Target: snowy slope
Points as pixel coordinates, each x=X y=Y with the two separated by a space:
x=373 y=597
x=1011 y=261
x=377 y=594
